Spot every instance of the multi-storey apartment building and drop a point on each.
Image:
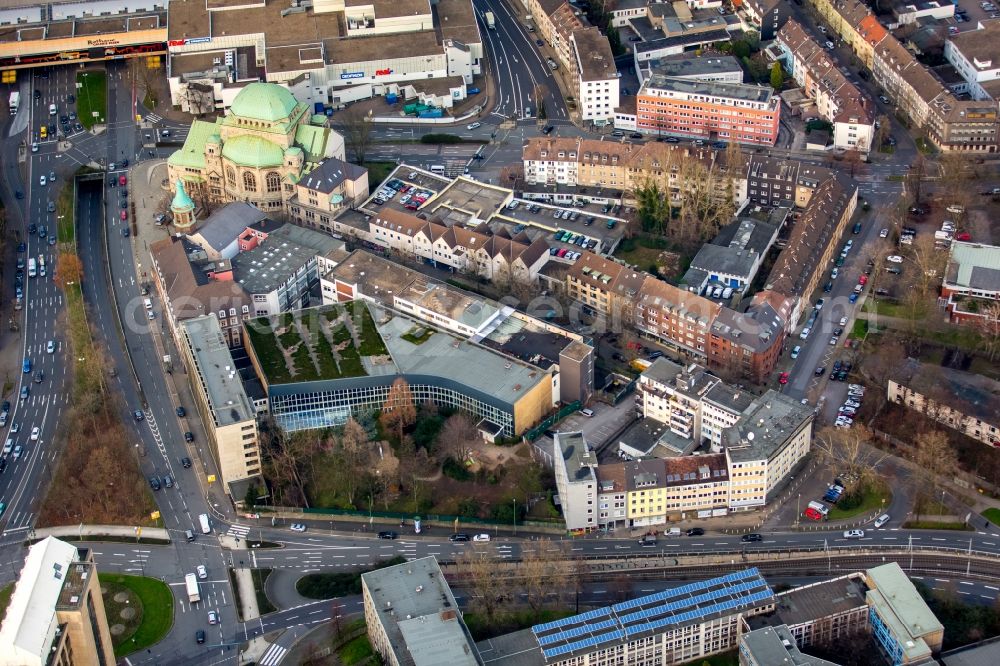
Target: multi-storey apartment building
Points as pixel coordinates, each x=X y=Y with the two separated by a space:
x=330 y=188
x=716 y=448
x=56 y=615
x=768 y=16
x=974 y=55
x=226 y=410
x=584 y=52
x=963 y=401
x=812 y=242
x=837 y=100
x=708 y=110
x=700 y=328
x=597 y=76
x=951 y=122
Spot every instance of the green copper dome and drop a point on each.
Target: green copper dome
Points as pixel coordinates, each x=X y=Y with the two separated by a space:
x=252 y=151
x=264 y=101
x=182 y=202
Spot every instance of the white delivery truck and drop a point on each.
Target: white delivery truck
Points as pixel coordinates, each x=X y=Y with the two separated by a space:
x=490 y=21
x=194 y=593
x=15 y=101
x=206 y=528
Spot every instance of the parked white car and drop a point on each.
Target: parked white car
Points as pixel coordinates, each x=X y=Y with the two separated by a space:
x=894 y=259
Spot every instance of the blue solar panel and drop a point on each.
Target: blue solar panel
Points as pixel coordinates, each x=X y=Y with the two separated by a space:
x=585 y=643
x=575 y=619
x=566 y=634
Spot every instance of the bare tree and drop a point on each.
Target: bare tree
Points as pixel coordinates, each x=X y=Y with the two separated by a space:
x=882 y=131
x=914 y=179
x=930 y=263
x=358 y=128
x=488 y=588
x=458 y=436
x=542 y=572
x=847 y=451
x=935 y=458
x=988 y=326
x=398 y=410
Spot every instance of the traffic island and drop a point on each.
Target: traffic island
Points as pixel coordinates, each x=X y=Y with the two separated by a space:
x=92 y=97
x=140 y=611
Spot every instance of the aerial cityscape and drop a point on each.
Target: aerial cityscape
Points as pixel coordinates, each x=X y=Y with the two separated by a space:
x=500 y=333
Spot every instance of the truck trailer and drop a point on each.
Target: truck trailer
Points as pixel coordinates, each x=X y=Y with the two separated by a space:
x=194 y=593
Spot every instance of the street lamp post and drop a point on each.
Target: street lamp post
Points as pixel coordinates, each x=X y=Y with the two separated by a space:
x=515 y=516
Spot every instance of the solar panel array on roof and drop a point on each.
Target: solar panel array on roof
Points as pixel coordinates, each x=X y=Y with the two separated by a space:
x=670 y=608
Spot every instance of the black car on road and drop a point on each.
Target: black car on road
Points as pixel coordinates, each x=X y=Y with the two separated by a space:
x=388 y=535
x=753 y=536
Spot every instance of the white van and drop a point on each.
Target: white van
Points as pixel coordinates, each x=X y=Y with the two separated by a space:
x=819 y=507
x=148 y=302
x=727 y=292
x=672 y=532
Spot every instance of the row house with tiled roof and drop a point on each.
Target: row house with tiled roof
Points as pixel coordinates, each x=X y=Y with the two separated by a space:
x=745 y=344
x=953 y=124
x=480 y=251
x=837 y=99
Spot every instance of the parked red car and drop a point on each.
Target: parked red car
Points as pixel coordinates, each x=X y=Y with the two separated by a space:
x=813 y=514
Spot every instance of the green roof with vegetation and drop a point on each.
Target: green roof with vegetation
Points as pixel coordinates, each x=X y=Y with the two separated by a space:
x=327 y=342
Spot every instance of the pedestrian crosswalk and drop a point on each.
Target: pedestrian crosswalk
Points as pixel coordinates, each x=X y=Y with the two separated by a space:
x=153 y=118
x=238 y=531
x=273 y=655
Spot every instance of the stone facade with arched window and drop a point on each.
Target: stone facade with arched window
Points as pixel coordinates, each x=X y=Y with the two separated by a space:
x=256 y=153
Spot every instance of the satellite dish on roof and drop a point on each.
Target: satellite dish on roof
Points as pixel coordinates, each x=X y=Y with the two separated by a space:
x=750 y=436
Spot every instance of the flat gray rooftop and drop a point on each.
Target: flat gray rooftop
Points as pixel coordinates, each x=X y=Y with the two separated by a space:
x=740 y=91
x=441 y=354
x=217 y=371
x=769 y=421
x=419 y=613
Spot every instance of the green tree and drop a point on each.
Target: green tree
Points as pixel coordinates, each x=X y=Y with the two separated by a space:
x=741 y=49
x=251 y=497
x=615 y=41
x=653 y=208
x=777 y=76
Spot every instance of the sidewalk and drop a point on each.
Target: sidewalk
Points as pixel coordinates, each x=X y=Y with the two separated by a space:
x=148 y=192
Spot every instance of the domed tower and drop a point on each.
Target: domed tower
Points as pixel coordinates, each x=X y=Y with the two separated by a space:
x=182 y=207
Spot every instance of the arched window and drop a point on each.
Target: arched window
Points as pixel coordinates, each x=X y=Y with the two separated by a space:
x=249 y=182
x=231 y=176
x=273 y=182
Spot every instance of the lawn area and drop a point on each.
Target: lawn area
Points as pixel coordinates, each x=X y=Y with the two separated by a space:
x=860 y=329
x=264 y=604
x=140 y=611
x=724 y=659
x=931 y=525
x=992 y=515
x=848 y=506
x=377 y=172
x=645 y=251
x=91 y=97
x=5 y=599
x=355 y=651
x=65 y=227
x=333 y=585
x=887 y=309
